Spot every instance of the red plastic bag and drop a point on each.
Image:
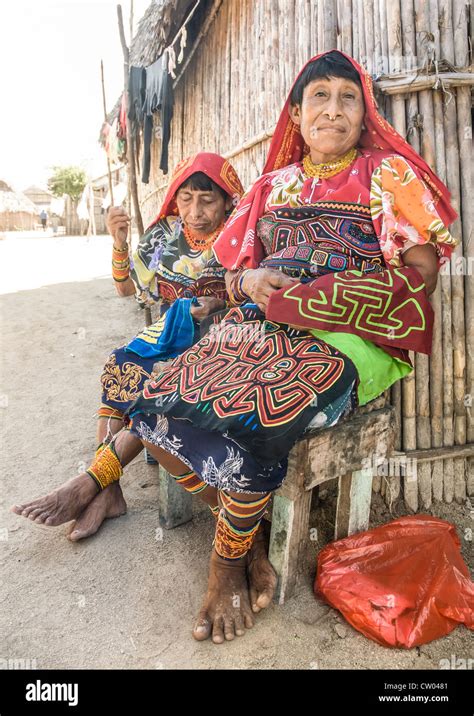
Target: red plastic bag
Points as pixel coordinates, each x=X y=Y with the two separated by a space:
x=402 y=584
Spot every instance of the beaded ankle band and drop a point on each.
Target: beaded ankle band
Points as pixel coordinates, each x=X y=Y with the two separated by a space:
x=106 y=468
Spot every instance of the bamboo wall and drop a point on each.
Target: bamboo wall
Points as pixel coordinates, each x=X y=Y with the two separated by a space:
x=232 y=93
x=17 y=221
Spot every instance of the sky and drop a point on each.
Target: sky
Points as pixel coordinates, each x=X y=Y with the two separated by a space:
x=50 y=88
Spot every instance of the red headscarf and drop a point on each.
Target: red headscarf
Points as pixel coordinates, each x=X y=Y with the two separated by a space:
x=212 y=165
x=236 y=244
x=288 y=145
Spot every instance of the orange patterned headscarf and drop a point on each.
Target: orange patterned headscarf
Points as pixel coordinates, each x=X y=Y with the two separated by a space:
x=214 y=166
x=288 y=145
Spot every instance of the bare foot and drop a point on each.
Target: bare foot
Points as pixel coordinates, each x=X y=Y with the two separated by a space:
x=108 y=503
x=261 y=575
x=62 y=505
x=225 y=611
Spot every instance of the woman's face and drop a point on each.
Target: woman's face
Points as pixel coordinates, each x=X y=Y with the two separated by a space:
x=201 y=211
x=330 y=117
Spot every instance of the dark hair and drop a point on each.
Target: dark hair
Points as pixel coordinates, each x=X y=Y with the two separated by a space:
x=201 y=182
x=333 y=64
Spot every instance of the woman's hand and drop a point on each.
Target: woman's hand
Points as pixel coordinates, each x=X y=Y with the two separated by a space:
x=117 y=225
x=259 y=284
x=206 y=306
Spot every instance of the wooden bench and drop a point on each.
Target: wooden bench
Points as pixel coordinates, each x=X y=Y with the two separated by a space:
x=345 y=452
x=342 y=452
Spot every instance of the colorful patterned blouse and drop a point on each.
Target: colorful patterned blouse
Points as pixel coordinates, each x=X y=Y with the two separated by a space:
x=363 y=218
x=164 y=267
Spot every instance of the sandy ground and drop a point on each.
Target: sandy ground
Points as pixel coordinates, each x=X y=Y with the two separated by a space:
x=125 y=599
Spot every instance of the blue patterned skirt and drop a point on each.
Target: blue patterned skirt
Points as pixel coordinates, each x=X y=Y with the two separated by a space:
x=232 y=406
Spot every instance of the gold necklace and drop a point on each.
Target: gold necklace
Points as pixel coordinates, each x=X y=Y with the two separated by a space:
x=201 y=243
x=328 y=169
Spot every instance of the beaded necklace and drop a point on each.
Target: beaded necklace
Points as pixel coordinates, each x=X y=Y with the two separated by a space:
x=328 y=169
x=198 y=242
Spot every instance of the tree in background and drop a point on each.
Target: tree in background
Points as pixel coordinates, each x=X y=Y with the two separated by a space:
x=69 y=181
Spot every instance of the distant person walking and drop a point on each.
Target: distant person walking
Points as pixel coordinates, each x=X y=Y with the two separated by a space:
x=44 y=219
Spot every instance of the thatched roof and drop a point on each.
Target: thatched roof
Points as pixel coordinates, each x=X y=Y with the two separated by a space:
x=12 y=202
x=156 y=30
x=34 y=190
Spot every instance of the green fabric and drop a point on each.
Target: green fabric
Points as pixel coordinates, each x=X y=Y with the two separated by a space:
x=377 y=369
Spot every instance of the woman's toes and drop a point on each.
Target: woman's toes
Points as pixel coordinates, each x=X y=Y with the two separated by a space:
x=51 y=521
x=254 y=599
x=218 y=631
x=34 y=513
x=239 y=625
x=17 y=509
x=202 y=627
x=41 y=518
x=265 y=598
x=229 y=632
x=75 y=535
x=248 y=620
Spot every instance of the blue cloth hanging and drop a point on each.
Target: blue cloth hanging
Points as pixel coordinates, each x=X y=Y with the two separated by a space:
x=172 y=334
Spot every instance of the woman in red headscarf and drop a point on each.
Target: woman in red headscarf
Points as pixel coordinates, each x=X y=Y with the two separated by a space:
x=174 y=266
x=173 y=260
x=330 y=257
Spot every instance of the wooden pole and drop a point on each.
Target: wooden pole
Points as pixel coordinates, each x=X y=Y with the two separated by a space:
x=447 y=51
x=457 y=287
x=369 y=36
x=426 y=21
x=129 y=184
x=413 y=83
x=437 y=367
x=344 y=25
x=109 y=172
x=461 y=306
x=130 y=142
x=329 y=25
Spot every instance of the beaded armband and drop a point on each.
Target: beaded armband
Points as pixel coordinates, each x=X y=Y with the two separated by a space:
x=120 y=264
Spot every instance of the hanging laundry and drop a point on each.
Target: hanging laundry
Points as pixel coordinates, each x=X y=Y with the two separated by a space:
x=171 y=60
x=136 y=97
x=182 y=45
x=158 y=97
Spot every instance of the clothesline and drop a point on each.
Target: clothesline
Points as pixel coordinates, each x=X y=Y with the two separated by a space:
x=183 y=26
x=182 y=33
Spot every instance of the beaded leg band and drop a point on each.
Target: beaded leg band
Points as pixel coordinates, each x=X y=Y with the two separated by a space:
x=106 y=467
x=237 y=524
x=191 y=482
x=106 y=412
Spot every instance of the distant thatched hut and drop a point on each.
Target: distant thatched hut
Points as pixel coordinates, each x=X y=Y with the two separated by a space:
x=239 y=62
x=17 y=212
x=40 y=197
